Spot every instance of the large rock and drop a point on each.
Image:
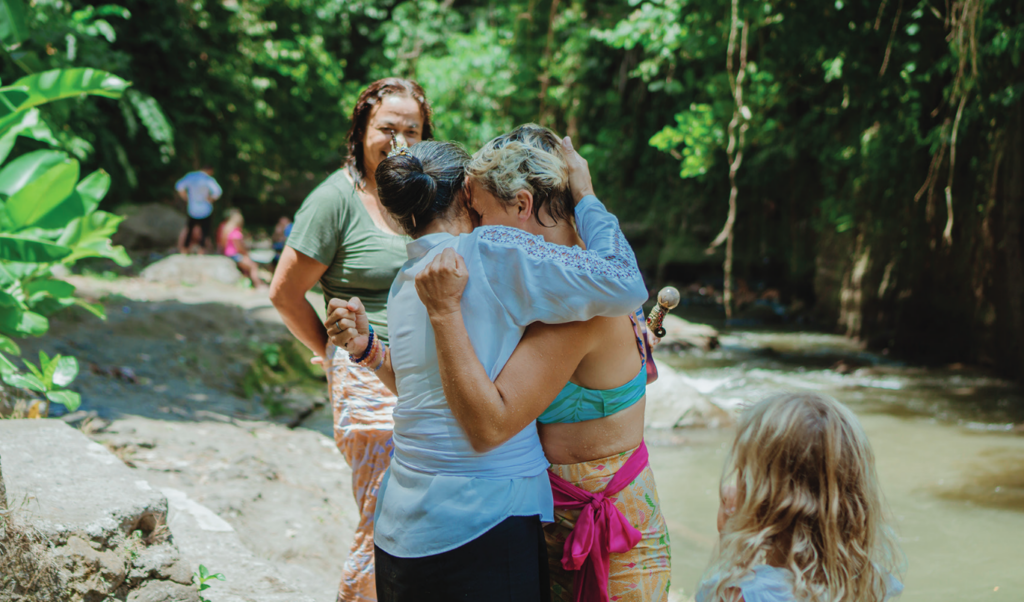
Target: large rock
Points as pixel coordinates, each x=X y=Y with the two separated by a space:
x=164 y=591
x=199 y=533
x=70 y=486
x=673 y=403
x=193 y=269
x=150 y=226
x=685 y=334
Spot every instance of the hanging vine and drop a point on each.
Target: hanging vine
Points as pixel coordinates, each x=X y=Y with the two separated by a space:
x=737 y=141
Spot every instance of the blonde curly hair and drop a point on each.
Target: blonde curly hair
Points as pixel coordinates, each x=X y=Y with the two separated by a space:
x=529 y=158
x=808 y=500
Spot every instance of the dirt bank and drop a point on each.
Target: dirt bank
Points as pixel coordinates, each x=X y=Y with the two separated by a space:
x=163 y=379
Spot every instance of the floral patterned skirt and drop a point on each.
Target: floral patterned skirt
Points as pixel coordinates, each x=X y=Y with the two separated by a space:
x=644 y=573
x=363 y=426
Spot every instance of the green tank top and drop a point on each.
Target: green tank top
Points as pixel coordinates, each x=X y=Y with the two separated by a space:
x=333 y=227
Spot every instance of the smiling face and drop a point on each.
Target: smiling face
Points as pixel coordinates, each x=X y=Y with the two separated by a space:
x=395 y=114
x=489 y=210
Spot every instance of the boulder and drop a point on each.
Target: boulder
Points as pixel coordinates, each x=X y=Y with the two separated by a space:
x=160 y=562
x=672 y=403
x=193 y=270
x=91 y=573
x=684 y=334
x=150 y=226
x=70 y=486
x=164 y=591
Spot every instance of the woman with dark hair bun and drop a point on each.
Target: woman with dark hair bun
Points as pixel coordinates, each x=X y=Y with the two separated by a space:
x=457 y=520
x=345 y=240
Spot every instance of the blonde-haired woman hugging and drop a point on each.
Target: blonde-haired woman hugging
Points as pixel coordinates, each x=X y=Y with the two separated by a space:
x=802 y=516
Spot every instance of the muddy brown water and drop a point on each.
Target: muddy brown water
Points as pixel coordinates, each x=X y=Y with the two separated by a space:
x=950 y=461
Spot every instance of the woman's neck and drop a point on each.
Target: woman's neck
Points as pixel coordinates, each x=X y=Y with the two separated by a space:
x=456 y=226
x=561 y=233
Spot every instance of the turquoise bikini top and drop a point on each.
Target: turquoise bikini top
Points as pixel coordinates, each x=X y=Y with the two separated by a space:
x=578 y=404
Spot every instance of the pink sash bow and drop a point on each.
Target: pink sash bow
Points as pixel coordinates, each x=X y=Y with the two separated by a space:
x=600 y=529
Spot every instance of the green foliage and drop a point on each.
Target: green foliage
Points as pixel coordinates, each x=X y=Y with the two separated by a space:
x=48 y=378
x=202 y=578
x=48 y=216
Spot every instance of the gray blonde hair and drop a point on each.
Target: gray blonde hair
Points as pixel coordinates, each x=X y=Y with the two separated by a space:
x=808 y=500
x=528 y=158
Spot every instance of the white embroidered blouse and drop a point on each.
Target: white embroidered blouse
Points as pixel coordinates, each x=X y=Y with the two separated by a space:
x=439 y=493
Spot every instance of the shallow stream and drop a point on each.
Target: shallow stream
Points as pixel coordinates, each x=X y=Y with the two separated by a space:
x=950 y=461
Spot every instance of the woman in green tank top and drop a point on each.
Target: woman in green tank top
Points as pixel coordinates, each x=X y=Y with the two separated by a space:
x=343 y=239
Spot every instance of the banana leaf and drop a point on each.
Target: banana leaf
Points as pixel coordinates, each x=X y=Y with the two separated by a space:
x=56 y=84
x=18 y=173
x=29 y=250
x=42 y=195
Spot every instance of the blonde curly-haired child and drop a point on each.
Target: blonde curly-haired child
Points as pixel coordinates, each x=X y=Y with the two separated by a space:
x=801 y=516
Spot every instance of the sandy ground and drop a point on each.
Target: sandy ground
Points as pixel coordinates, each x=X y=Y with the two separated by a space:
x=184 y=422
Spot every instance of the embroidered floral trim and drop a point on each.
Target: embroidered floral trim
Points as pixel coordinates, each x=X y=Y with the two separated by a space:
x=620 y=264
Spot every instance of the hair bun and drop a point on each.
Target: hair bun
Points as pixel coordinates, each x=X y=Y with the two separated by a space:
x=406 y=190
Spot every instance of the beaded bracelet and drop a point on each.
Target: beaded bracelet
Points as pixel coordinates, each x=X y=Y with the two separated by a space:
x=366 y=352
x=383 y=357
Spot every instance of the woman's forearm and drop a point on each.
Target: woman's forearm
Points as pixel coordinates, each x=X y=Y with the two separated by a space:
x=301 y=319
x=472 y=397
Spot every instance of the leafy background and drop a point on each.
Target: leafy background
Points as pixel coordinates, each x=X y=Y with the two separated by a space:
x=883 y=141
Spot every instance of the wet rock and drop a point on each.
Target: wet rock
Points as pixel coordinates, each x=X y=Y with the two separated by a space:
x=672 y=403
x=150 y=226
x=683 y=334
x=164 y=591
x=193 y=270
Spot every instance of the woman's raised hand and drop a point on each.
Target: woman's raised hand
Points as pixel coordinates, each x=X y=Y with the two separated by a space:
x=579 y=172
x=441 y=283
x=347 y=325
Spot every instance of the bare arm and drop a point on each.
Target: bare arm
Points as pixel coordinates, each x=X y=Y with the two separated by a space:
x=491 y=413
x=295 y=275
x=348 y=328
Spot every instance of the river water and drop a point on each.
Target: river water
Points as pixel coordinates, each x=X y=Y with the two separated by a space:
x=950 y=462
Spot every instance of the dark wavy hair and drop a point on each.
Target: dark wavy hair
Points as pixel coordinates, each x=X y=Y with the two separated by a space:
x=422 y=184
x=370 y=97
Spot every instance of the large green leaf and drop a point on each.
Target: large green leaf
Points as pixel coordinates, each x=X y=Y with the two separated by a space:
x=30 y=250
x=18 y=322
x=94 y=187
x=24 y=381
x=8 y=300
x=83 y=201
x=56 y=84
x=13 y=30
x=42 y=195
x=28 y=124
x=9 y=346
x=6 y=365
x=65 y=369
x=69 y=399
x=89 y=236
x=19 y=172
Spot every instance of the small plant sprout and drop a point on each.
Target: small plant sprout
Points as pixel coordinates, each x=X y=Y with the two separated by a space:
x=202 y=577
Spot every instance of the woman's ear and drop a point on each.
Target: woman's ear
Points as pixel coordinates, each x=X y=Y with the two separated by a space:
x=524 y=206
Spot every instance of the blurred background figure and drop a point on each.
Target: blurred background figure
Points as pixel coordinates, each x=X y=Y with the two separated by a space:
x=199 y=190
x=280 y=236
x=231 y=242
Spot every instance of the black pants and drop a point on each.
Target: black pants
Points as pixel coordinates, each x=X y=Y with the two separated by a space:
x=204 y=230
x=509 y=563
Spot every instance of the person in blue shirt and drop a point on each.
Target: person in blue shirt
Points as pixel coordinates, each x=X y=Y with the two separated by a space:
x=199 y=190
x=455 y=522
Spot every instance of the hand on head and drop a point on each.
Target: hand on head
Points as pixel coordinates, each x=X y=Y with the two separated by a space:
x=347 y=324
x=579 y=172
x=441 y=283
